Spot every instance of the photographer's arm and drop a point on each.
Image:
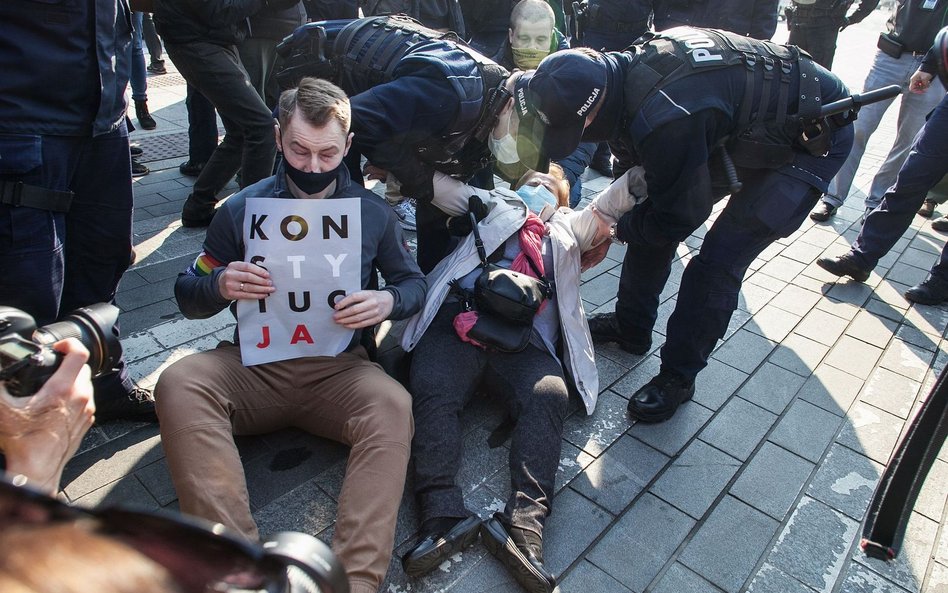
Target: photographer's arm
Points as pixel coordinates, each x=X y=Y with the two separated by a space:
x=38 y=434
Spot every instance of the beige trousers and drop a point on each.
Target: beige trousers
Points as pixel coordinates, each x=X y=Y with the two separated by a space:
x=206 y=398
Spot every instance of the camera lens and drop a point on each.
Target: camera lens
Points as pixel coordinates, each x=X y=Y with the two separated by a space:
x=312 y=567
x=96 y=326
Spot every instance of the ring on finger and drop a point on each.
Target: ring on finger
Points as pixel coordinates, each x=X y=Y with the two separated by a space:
x=241 y=287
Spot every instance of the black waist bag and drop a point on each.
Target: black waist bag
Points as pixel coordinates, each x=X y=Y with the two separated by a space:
x=506 y=303
x=510 y=295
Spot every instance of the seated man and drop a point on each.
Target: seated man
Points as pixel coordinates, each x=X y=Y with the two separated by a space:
x=450 y=364
x=208 y=397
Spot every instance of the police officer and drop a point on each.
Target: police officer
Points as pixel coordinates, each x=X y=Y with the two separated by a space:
x=65 y=172
x=815 y=26
x=669 y=103
x=754 y=18
x=421 y=101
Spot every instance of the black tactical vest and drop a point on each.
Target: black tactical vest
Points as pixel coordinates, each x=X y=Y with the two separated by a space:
x=764 y=132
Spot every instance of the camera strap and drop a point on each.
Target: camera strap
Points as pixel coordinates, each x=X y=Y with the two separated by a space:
x=17 y=193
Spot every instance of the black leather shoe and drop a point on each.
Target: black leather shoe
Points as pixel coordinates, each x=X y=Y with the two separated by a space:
x=658 y=399
x=930 y=292
x=196 y=213
x=524 y=563
x=823 y=211
x=940 y=224
x=435 y=548
x=190 y=168
x=928 y=209
x=844 y=265
x=603 y=327
x=137 y=405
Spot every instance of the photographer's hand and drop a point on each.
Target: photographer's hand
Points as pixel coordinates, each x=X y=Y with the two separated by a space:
x=38 y=434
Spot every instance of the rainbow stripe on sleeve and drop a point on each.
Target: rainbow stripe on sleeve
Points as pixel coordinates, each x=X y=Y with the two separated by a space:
x=204 y=264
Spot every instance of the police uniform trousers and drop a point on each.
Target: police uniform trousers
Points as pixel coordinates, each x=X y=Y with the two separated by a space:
x=445 y=375
x=771 y=205
x=204 y=399
x=56 y=262
x=925 y=166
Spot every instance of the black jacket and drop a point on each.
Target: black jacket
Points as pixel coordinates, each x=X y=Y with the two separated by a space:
x=224 y=22
x=753 y=18
x=915 y=27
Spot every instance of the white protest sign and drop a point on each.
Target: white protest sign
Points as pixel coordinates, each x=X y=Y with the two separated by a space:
x=313 y=251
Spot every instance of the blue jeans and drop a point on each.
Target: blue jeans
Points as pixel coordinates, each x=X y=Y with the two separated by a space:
x=926 y=164
x=55 y=262
x=573 y=166
x=913 y=108
x=771 y=205
x=137 y=78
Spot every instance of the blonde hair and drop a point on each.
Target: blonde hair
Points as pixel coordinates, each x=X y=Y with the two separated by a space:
x=318 y=101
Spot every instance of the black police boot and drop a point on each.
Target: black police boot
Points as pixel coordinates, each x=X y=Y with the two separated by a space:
x=658 y=399
x=143 y=117
x=603 y=327
x=441 y=539
x=521 y=552
x=930 y=292
x=197 y=213
x=844 y=265
x=191 y=168
x=137 y=405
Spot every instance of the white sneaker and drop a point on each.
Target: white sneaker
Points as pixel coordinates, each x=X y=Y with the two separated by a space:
x=405 y=211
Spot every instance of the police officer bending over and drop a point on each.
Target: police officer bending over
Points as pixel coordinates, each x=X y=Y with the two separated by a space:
x=670 y=102
x=422 y=101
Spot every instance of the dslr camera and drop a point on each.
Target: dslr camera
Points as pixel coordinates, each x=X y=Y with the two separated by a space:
x=27 y=358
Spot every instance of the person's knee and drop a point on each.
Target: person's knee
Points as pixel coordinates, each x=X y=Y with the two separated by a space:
x=387 y=419
x=181 y=395
x=550 y=393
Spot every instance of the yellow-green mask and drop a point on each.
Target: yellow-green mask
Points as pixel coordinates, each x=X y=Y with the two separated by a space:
x=528 y=58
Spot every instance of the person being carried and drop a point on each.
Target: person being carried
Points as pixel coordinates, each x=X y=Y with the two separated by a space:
x=457 y=350
x=205 y=399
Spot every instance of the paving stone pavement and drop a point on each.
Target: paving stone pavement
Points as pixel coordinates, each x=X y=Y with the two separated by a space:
x=759 y=484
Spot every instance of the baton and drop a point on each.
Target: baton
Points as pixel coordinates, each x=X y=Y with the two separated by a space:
x=857 y=100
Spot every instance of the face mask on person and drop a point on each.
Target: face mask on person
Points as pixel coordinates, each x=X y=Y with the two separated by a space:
x=310 y=183
x=536 y=197
x=528 y=58
x=505 y=148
